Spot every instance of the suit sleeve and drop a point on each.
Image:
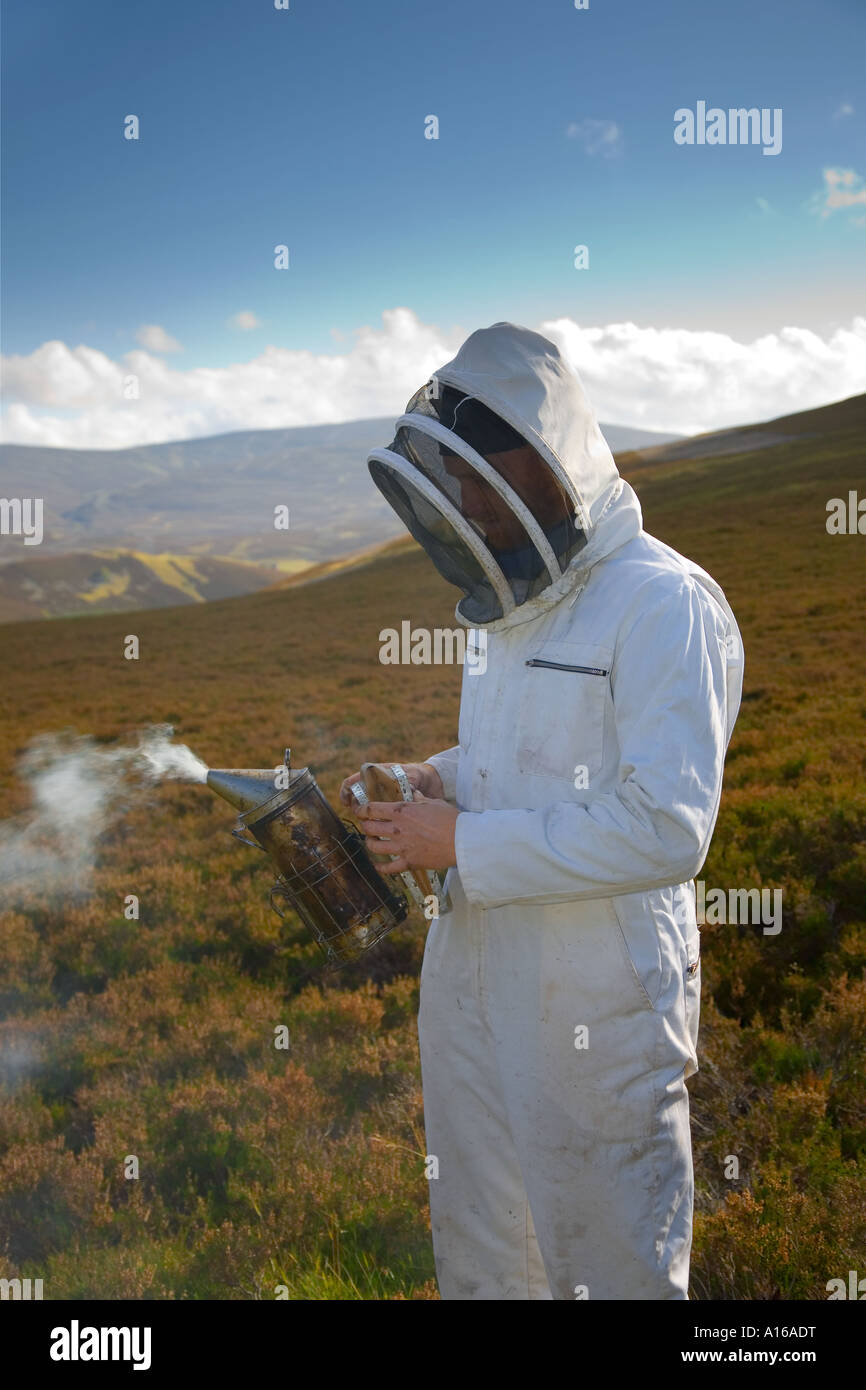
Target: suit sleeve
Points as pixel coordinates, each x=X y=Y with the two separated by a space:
x=446 y=765
x=669 y=689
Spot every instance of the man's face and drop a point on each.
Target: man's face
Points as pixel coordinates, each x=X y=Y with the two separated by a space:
x=531 y=479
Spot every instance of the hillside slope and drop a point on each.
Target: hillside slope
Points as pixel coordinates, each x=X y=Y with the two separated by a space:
x=305 y=1167
x=105 y=581
x=838 y=417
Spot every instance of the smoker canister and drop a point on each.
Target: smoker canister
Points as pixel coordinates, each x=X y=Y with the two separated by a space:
x=325 y=872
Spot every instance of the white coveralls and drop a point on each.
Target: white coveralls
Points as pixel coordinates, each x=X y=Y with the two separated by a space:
x=560 y=995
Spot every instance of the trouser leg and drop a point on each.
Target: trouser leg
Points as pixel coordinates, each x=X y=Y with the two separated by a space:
x=484 y=1239
x=614 y=1216
x=597 y=1108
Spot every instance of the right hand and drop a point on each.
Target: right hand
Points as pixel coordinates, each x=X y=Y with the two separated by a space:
x=422 y=776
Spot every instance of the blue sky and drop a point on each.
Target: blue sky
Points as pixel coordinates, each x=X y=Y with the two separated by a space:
x=306 y=127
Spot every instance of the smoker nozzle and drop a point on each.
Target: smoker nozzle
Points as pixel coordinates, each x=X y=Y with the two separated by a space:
x=245 y=787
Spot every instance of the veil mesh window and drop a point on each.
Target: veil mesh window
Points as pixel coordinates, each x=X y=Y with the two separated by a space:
x=482 y=507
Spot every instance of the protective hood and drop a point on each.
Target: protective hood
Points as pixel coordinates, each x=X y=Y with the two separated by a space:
x=499 y=469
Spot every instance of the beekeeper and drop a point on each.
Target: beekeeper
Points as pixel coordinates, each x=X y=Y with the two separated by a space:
x=559 y=1003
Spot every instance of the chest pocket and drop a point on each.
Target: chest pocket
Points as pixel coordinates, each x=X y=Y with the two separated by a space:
x=560 y=719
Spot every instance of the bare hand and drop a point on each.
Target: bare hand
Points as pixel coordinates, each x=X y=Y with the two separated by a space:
x=419 y=832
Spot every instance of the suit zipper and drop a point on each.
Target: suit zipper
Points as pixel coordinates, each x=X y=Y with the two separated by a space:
x=560 y=666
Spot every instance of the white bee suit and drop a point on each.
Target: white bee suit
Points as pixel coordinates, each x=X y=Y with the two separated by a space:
x=560 y=995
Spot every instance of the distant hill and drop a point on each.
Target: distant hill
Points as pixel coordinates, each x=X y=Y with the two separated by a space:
x=189 y=522
x=210 y=496
x=108 y=581
x=216 y=496
x=749 y=438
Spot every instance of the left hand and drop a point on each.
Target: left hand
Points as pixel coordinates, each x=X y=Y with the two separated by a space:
x=420 y=832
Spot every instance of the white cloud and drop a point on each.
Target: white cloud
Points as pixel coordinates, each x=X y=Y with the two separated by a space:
x=596 y=137
x=154 y=337
x=245 y=319
x=73 y=397
x=686 y=382
x=843 y=188
x=667 y=379
x=846 y=109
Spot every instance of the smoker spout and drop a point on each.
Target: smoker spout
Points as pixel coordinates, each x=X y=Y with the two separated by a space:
x=243 y=787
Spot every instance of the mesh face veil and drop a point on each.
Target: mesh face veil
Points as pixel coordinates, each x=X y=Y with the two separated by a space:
x=488 y=509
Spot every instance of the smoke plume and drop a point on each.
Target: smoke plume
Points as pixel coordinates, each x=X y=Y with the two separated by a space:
x=80 y=788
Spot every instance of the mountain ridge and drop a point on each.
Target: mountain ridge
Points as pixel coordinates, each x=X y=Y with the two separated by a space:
x=118 y=578
x=217 y=495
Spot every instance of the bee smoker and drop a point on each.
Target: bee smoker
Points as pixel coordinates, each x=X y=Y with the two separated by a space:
x=324 y=871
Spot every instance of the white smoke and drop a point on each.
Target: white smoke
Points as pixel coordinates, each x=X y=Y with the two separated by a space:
x=165 y=759
x=79 y=789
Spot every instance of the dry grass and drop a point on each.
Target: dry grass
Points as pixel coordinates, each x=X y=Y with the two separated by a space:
x=302 y=1170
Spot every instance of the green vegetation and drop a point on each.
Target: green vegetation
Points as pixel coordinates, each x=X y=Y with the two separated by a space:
x=303 y=1169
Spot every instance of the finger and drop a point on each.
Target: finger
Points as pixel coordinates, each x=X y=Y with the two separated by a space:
x=394 y=866
x=384 y=810
x=383 y=847
x=346 y=788
x=374 y=828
